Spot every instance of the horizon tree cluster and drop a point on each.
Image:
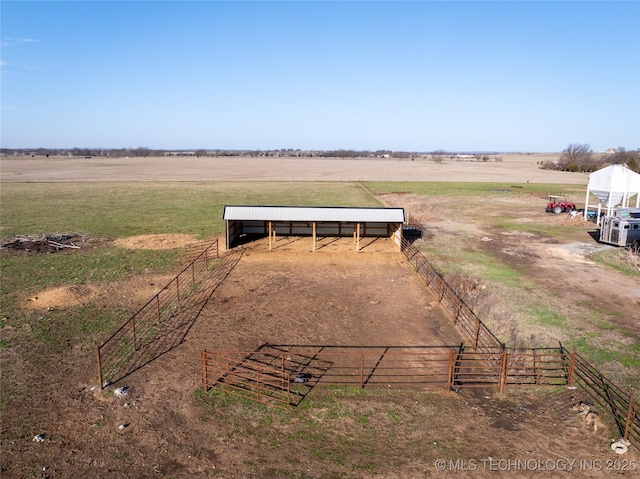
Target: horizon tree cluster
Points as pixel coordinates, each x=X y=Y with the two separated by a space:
x=580 y=158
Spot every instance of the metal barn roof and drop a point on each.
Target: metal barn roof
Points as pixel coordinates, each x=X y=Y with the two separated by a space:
x=316 y=214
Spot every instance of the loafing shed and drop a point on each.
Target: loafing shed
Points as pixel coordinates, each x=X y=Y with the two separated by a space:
x=324 y=221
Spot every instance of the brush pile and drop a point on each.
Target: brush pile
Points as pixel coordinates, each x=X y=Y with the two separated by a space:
x=46 y=243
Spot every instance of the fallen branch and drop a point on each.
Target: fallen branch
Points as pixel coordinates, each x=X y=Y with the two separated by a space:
x=60 y=245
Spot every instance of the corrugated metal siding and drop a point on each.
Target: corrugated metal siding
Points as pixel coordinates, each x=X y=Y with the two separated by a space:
x=313 y=214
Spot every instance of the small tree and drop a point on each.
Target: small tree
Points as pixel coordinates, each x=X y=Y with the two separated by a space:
x=438 y=156
x=575 y=155
x=622 y=156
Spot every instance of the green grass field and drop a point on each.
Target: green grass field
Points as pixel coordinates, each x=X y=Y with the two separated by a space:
x=119 y=210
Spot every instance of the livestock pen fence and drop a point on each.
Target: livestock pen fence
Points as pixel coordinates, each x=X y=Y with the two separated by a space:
x=611 y=398
x=620 y=404
x=119 y=355
x=195 y=249
x=281 y=375
x=464 y=319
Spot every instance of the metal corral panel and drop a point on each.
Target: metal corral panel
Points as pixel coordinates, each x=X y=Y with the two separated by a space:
x=313 y=214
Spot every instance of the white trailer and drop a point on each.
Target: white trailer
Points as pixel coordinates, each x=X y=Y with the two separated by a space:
x=622 y=228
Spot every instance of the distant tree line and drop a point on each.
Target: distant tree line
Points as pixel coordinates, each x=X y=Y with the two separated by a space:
x=576 y=157
x=144 y=152
x=82 y=152
x=580 y=158
x=437 y=156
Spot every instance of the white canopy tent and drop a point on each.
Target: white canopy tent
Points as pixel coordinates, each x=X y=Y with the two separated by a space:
x=613 y=186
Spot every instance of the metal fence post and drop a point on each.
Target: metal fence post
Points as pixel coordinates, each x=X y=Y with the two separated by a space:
x=203 y=361
x=100 y=369
x=572 y=366
x=287 y=378
x=503 y=371
x=257 y=384
x=475 y=338
x=450 y=378
x=135 y=340
x=456 y=309
x=628 y=420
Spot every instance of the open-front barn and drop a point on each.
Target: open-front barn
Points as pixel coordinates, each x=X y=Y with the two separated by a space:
x=243 y=222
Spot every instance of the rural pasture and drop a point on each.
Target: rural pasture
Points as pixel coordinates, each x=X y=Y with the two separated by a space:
x=535 y=279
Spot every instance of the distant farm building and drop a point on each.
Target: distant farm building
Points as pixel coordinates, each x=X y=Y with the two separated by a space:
x=242 y=222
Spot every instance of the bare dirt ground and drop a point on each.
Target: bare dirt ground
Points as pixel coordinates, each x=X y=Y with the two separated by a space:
x=520 y=168
x=155 y=242
x=292 y=295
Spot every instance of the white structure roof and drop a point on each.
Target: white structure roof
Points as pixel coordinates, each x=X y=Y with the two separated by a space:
x=613 y=186
x=314 y=214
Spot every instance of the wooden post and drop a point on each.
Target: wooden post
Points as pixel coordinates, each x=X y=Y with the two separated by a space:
x=314 y=236
x=269 y=235
x=100 y=368
x=362 y=370
x=358 y=238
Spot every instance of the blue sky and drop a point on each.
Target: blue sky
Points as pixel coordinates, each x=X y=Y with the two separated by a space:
x=414 y=76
